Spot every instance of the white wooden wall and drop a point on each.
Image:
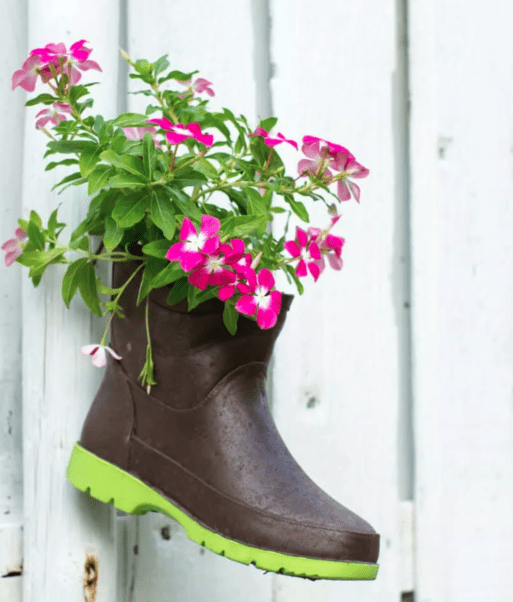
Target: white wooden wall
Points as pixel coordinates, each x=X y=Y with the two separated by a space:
x=392 y=380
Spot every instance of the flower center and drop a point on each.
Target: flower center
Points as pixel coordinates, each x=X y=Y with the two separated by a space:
x=195 y=242
x=214 y=264
x=262 y=298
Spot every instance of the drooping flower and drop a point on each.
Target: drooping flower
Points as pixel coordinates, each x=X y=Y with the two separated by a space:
x=259 y=297
x=329 y=245
x=199 y=85
x=307 y=250
x=320 y=157
x=191 y=251
x=13 y=247
x=345 y=162
x=55 y=114
x=181 y=132
x=98 y=355
x=138 y=134
x=273 y=141
x=26 y=77
x=68 y=62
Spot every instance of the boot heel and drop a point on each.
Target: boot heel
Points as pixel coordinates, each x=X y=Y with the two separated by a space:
x=106 y=482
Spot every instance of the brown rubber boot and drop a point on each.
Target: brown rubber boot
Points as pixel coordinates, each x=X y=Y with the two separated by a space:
x=203 y=447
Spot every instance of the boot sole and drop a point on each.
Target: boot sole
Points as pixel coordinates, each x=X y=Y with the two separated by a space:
x=112 y=485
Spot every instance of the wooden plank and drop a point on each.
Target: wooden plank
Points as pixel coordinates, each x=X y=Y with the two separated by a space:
x=218 y=40
x=336 y=378
x=62 y=525
x=462 y=219
x=11 y=462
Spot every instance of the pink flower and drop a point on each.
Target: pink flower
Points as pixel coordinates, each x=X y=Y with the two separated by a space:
x=164 y=123
x=182 y=132
x=97 y=352
x=345 y=162
x=329 y=245
x=13 y=247
x=322 y=157
x=138 y=133
x=55 y=115
x=269 y=141
x=214 y=270
x=257 y=296
x=193 y=248
x=307 y=249
x=26 y=77
x=67 y=62
x=200 y=85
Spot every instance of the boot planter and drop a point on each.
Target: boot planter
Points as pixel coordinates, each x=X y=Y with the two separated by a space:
x=181 y=423
x=203 y=448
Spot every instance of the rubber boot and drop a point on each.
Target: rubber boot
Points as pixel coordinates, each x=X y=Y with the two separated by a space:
x=203 y=448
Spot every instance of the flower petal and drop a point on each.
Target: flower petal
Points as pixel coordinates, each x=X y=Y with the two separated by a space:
x=355 y=189
x=301 y=269
x=343 y=191
x=113 y=353
x=275 y=304
x=188 y=229
x=210 y=245
x=89 y=349
x=311 y=146
x=265 y=279
x=314 y=270
x=292 y=247
x=226 y=292
x=210 y=225
x=99 y=357
x=246 y=305
x=306 y=166
x=175 y=252
x=266 y=318
x=199 y=278
x=335 y=262
x=191 y=260
x=314 y=250
x=301 y=237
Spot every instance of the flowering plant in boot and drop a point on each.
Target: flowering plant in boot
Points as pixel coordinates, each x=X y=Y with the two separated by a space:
x=155 y=179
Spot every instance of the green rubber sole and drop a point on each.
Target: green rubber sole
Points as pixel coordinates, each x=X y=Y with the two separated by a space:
x=112 y=485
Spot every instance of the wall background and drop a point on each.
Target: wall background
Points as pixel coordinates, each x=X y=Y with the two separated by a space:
x=392 y=381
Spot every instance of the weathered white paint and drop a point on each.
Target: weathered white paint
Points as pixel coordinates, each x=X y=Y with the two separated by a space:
x=11 y=466
x=336 y=385
x=61 y=524
x=462 y=219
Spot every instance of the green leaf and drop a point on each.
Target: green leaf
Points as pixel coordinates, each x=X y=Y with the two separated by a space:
x=113 y=234
x=89 y=290
x=230 y=318
x=149 y=154
x=157 y=248
x=268 y=123
x=72 y=146
x=71 y=279
x=87 y=161
x=126 y=162
x=151 y=269
x=298 y=208
x=36 y=237
x=171 y=273
x=184 y=204
x=162 y=213
x=130 y=120
x=202 y=296
x=128 y=211
x=77 y=92
x=257 y=204
x=192 y=294
x=161 y=64
x=178 y=292
x=34 y=217
x=99 y=178
x=126 y=180
x=54 y=164
x=292 y=272
x=45 y=99
x=241 y=225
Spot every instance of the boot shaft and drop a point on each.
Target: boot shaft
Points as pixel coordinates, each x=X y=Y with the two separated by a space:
x=192 y=350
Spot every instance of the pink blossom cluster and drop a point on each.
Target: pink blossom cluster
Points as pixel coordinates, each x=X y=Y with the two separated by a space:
x=323 y=157
x=54 y=59
x=178 y=132
x=310 y=248
x=55 y=114
x=13 y=247
x=199 y=86
x=211 y=262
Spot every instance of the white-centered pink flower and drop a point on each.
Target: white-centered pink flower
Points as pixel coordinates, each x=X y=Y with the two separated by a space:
x=13 y=247
x=273 y=141
x=64 y=61
x=98 y=354
x=54 y=114
x=259 y=297
x=307 y=251
x=217 y=267
x=26 y=77
x=194 y=245
x=138 y=134
x=329 y=245
x=199 y=86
